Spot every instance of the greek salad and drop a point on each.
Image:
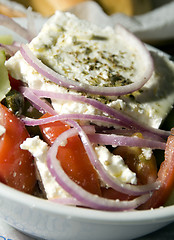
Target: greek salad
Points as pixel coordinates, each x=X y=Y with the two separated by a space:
x=81 y=114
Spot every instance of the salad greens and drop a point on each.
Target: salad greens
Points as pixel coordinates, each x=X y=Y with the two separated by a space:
x=4 y=79
x=6 y=39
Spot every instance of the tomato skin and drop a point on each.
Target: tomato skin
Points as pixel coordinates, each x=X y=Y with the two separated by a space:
x=146 y=170
x=165 y=176
x=15 y=84
x=73 y=157
x=51 y=131
x=16 y=165
x=77 y=165
x=110 y=193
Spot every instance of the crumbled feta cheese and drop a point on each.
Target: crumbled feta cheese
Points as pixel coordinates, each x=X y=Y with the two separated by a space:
x=115 y=165
x=38 y=149
x=147 y=153
x=2 y=130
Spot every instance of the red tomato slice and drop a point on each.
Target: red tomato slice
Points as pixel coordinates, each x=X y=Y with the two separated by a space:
x=51 y=131
x=113 y=194
x=16 y=165
x=73 y=157
x=146 y=170
x=15 y=84
x=166 y=176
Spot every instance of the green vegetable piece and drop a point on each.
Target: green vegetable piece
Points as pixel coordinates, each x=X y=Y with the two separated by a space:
x=4 y=79
x=6 y=39
x=15 y=102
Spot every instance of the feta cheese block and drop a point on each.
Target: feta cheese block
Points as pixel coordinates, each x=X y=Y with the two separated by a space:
x=86 y=53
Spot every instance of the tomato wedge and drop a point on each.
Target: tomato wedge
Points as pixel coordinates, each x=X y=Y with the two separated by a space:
x=14 y=83
x=73 y=157
x=51 y=131
x=165 y=176
x=110 y=193
x=16 y=165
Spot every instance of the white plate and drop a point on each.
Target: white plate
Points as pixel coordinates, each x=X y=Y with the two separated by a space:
x=43 y=219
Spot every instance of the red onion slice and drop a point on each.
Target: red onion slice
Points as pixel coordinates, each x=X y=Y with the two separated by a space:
x=140 y=78
x=86 y=198
x=117 y=140
x=129 y=132
x=102 y=139
x=7 y=48
x=124 y=119
x=73 y=116
x=37 y=102
x=14 y=26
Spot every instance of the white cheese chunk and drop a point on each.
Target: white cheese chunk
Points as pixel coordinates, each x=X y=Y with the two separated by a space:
x=115 y=165
x=84 y=52
x=147 y=153
x=38 y=149
x=2 y=130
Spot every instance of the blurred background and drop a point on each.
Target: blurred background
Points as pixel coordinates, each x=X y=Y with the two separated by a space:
x=132 y=9
x=129 y=7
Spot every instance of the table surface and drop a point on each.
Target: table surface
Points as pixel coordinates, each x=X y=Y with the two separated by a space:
x=8 y=233
x=166 y=233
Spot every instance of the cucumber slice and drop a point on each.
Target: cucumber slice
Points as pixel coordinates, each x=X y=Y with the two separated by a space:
x=6 y=39
x=4 y=79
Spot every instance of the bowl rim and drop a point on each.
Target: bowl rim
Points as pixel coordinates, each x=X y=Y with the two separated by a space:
x=84 y=214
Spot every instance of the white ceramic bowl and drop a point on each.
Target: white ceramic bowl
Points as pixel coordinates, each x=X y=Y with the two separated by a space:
x=46 y=220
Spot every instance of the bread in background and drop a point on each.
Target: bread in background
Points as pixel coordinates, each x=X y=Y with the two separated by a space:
x=128 y=7
x=48 y=7
x=10 y=12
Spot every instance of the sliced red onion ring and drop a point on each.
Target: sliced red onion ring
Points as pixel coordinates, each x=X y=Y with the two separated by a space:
x=8 y=50
x=42 y=106
x=74 y=116
x=37 y=102
x=102 y=139
x=14 y=26
x=124 y=119
x=117 y=140
x=86 y=198
x=129 y=132
x=140 y=78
